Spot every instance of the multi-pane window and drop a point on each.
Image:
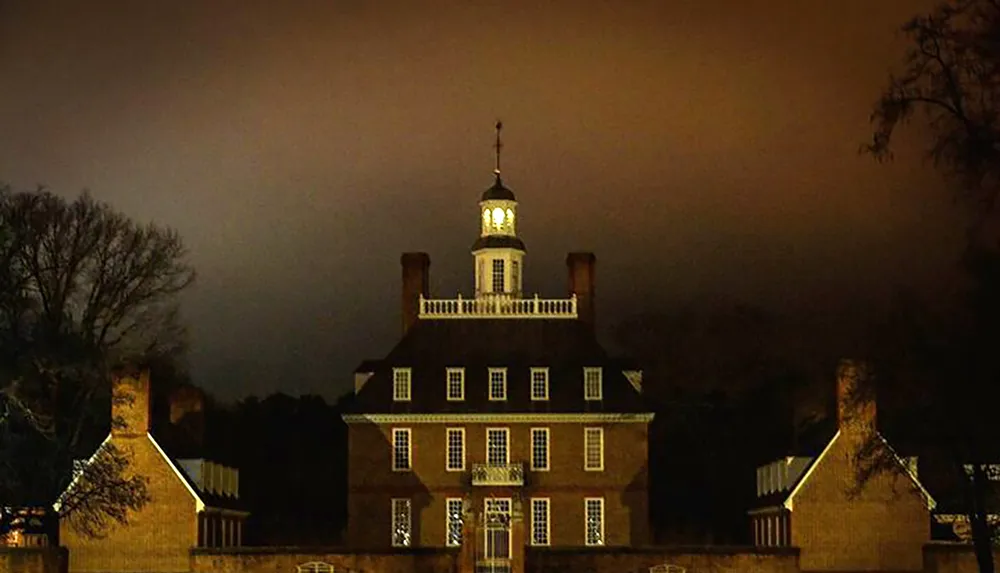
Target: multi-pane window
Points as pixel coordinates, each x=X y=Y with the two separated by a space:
x=539 y=383
x=540 y=521
x=455 y=384
x=455 y=452
x=592 y=384
x=401 y=384
x=401 y=453
x=498 y=282
x=401 y=522
x=453 y=521
x=498 y=383
x=497 y=446
x=540 y=449
x=593 y=449
x=594 y=510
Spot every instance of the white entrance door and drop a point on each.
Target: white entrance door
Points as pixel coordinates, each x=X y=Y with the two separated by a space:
x=497 y=528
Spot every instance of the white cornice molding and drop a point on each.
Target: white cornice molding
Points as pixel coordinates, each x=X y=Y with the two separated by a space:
x=481 y=418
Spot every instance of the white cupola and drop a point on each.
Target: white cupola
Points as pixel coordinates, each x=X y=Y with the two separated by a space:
x=498 y=253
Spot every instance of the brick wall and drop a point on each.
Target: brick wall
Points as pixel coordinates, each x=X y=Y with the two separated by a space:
x=885 y=527
x=639 y=560
x=286 y=560
x=372 y=482
x=157 y=539
x=945 y=557
x=32 y=560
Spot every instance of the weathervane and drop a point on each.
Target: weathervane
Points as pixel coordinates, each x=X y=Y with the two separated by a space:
x=498 y=145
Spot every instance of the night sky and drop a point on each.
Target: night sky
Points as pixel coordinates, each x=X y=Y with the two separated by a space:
x=698 y=147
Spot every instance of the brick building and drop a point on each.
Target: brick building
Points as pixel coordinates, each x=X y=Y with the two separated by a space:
x=194 y=501
x=818 y=504
x=497 y=421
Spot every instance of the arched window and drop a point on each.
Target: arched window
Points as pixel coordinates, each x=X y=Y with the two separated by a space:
x=315 y=567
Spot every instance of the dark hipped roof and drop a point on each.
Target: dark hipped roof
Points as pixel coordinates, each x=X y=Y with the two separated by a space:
x=498 y=242
x=565 y=346
x=498 y=192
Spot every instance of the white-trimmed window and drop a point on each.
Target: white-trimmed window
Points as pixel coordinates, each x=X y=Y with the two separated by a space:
x=401 y=384
x=539 y=383
x=402 y=451
x=453 y=521
x=594 y=527
x=497 y=446
x=455 y=384
x=540 y=449
x=401 y=513
x=498 y=384
x=593 y=383
x=540 y=516
x=498 y=278
x=455 y=451
x=593 y=449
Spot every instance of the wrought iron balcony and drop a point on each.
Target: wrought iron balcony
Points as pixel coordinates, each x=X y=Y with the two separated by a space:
x=498 y=475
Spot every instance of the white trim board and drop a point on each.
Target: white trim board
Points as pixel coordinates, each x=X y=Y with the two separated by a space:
x=931 y=504
x=58 y=504
x=497 y=418
x=199 y=503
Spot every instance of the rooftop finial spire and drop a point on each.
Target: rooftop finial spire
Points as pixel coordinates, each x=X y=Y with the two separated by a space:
x=498 y=145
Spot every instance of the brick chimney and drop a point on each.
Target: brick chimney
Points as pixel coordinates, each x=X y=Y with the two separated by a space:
x=416 y=278
x=856 y=412
x=187 y=411
x=130 y=402
x=581 y=283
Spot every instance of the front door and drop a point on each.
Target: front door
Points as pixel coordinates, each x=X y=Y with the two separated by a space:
x=497 y=528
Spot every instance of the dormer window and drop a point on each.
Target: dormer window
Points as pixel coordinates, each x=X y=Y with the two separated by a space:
x=592 y=384
x=401 y=384
x=455 y=384
x=539 y=384
x=498 y=384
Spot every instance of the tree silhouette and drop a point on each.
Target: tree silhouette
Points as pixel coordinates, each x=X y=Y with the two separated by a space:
x=83 y=290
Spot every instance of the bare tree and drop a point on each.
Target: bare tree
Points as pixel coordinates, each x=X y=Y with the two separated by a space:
x=951 y=73
x=944 y=361
x=83 y=290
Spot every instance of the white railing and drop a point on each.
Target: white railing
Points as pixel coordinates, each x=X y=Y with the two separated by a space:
x=498 y=307
x=510 y=475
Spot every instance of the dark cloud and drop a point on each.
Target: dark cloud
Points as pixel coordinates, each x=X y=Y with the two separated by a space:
x=299 y=147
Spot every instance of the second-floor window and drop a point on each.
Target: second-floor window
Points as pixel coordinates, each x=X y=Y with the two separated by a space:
x=401 y=384
x=401 y=452
x=592 y=384
x=498 y=383
x=539 y=383
x=455 y=450
x=593 y=449
x=455 y=384
x=497 y=446
x=540 y=449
